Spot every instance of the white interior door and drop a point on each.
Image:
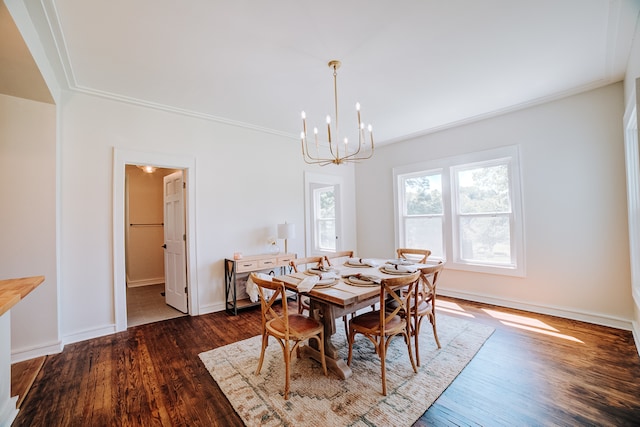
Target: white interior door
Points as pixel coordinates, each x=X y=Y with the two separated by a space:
x=175 y=242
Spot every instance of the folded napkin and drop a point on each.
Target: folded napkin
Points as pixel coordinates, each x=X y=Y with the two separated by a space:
x=401 y=268
x=328 y=275
x=308 y=283
x=323 y=273
x=400 y=261
x=363 y=261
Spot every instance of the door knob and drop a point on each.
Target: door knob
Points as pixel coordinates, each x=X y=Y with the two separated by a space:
x=164 y=246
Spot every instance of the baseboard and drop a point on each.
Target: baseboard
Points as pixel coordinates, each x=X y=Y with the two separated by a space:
x=33 y=352
x=145 y=282
x=636 y=311
x=595 y=318
x=89 y=334
x=636 y=335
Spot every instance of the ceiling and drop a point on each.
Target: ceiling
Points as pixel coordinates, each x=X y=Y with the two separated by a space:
x=415 y=66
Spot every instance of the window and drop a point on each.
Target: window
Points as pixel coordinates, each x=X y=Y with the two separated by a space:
x=423 y=216
x=465 y=209
x=324 y=228
x=323 y=218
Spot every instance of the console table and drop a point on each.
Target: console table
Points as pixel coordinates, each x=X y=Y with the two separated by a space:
x=248 y=264
x=12 y=291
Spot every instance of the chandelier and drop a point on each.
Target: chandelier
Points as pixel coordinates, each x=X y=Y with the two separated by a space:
x=339 y=150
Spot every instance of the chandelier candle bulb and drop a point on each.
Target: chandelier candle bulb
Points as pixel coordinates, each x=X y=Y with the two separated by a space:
x=304 y=123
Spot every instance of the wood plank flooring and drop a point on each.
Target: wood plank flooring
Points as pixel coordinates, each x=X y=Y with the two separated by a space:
x=534 y=370
x=23 y=375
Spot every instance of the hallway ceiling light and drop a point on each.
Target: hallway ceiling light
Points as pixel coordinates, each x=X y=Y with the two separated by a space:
x=147 y=168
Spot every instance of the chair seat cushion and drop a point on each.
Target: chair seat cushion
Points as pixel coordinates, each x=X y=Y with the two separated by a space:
x=371 y=321
x=298 y=325
x=423 y=307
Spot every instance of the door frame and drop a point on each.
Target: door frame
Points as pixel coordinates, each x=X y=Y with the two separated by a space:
x=121 y=158
x=311 y=180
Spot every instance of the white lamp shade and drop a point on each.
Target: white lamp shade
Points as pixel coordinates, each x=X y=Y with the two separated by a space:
x=286 y=231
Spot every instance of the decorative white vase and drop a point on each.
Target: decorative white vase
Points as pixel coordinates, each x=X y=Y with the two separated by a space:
x=274 y=249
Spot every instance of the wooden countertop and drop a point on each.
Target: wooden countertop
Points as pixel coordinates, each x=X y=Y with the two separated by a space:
x=14 y=290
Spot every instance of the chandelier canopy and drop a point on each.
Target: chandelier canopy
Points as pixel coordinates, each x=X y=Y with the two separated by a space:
x=339 y=151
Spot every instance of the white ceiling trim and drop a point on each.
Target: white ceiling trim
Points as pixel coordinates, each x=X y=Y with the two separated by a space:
x=181 y=111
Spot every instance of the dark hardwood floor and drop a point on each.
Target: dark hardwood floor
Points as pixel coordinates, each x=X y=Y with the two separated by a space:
x=534 y=370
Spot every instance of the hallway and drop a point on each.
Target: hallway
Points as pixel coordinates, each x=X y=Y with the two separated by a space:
x=146 y=304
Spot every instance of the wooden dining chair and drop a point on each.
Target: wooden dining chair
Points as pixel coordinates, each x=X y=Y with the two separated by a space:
x=335 y=255
x=380 y=326
x=284 y=327
x=302 y=264
x=416 y=255
x=424 y=304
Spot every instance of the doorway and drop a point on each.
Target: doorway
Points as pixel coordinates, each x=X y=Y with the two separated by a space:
x=187 y=165
x=323 y=218
x=148 y=291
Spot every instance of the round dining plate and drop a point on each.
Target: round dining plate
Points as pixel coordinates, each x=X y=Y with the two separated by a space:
x=346 y=264
x=399 y=273
x=356 y=281
x=326 y=283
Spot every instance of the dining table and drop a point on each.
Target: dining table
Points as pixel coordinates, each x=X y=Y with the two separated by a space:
x=355 y=287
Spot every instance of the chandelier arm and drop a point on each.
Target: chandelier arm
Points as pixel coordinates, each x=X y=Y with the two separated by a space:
x=307 y=154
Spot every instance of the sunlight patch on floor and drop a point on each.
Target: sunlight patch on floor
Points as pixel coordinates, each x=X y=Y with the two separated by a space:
x=542 y=331
x=528 y=324
x=452 y=308
x=515 y=318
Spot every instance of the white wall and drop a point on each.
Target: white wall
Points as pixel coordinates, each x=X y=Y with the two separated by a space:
x=246 y=183
x=28 y=220
x=572 y=162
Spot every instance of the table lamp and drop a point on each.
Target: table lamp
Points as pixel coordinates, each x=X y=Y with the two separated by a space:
x=286 y=231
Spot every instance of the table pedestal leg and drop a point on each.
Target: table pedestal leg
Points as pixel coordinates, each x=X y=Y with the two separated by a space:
x=325 y=313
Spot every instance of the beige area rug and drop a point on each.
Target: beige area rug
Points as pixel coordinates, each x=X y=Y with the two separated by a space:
x=316 y=400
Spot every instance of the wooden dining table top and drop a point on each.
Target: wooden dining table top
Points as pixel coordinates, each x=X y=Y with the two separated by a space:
x=342 y=293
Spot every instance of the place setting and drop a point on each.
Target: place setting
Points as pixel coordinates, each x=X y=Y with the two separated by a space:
x=361 y=262
x=319 y=277
x=399 y=266
x=362 y=280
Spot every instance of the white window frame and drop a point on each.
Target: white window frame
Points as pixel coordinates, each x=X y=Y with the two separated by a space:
x=313 y=181
x=448 y=166
x=402 y=217
x=317 y=220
